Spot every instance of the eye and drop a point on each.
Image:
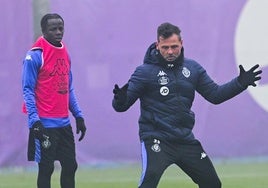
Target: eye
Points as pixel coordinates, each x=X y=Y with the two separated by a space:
x=52 y=29
x=165 y=47
x=174 y=47
x=61 y=29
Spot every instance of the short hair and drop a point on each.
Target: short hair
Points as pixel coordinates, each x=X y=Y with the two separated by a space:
x=166 y=29
x=46 y=17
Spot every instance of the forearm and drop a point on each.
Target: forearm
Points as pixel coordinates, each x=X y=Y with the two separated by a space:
x=225 y=92
x=30 y=104
x=73 y=105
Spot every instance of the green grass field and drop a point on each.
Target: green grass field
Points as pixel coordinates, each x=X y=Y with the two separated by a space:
x=233 y=175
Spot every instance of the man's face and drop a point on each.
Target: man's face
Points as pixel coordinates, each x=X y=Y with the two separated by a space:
x=169 y=48
x=54 y=31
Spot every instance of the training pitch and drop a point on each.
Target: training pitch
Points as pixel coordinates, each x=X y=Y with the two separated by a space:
x=233 y=174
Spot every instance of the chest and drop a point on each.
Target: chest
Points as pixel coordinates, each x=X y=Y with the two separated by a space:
x=169 y=82
x=55 y=64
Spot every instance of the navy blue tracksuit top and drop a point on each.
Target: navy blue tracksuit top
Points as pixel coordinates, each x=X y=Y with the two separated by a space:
x=166 y=95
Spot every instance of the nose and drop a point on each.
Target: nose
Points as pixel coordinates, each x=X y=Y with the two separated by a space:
x=170 y=51
x=59 y=31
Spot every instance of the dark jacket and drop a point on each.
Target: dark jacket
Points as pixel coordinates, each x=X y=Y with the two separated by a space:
x=166 y=94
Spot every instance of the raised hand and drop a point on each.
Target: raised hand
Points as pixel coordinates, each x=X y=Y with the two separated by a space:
x=247 y=78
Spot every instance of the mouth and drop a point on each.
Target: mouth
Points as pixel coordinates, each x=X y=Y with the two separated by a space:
x=58 y=38
x=171 y=58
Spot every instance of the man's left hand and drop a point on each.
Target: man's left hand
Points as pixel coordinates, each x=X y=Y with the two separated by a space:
x=80 y=127
x=247 y=78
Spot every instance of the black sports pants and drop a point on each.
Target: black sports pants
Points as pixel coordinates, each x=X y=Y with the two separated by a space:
x=157 y=155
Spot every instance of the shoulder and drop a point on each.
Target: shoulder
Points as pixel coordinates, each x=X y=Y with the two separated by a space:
x=146 y=69
x=33 y=53
x=33 y=56
x=192 y=64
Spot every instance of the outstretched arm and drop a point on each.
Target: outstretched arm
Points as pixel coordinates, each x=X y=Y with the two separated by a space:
x=217 y=94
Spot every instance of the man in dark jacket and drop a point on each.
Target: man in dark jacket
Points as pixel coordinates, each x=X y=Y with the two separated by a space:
x=166 y=85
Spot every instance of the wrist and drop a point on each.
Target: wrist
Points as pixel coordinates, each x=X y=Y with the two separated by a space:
x=79 y=119
x=37 y=123
x=242 y=83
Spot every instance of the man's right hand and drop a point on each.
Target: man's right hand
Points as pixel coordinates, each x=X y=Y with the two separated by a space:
x=120 y=94
x=39 y=130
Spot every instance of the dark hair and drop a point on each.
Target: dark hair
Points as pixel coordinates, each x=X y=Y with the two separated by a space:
x=46 y=17
x=166 y=29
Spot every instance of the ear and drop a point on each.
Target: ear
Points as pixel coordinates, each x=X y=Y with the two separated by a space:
x=157 y=45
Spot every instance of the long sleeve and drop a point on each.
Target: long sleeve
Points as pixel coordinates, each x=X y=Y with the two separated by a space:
x=135 y=90
x=215 y=93
x=73 y=103
x=31 y=66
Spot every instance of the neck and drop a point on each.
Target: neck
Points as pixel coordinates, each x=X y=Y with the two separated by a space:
x=56 y=44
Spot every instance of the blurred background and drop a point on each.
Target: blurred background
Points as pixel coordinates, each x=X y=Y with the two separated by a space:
x=107 y=40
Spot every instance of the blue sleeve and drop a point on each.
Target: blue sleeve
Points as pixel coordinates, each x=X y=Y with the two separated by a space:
x=73 y=104
x=31 y=66
x=215 y=93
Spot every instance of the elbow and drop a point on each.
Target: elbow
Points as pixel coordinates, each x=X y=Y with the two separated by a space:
x=119 y=109
x=216 y=101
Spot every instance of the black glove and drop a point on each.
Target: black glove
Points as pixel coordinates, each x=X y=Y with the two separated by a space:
x=120 y=94
x=41 y=133
x=247 y=78
x=39 y=130
x=80 y=126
